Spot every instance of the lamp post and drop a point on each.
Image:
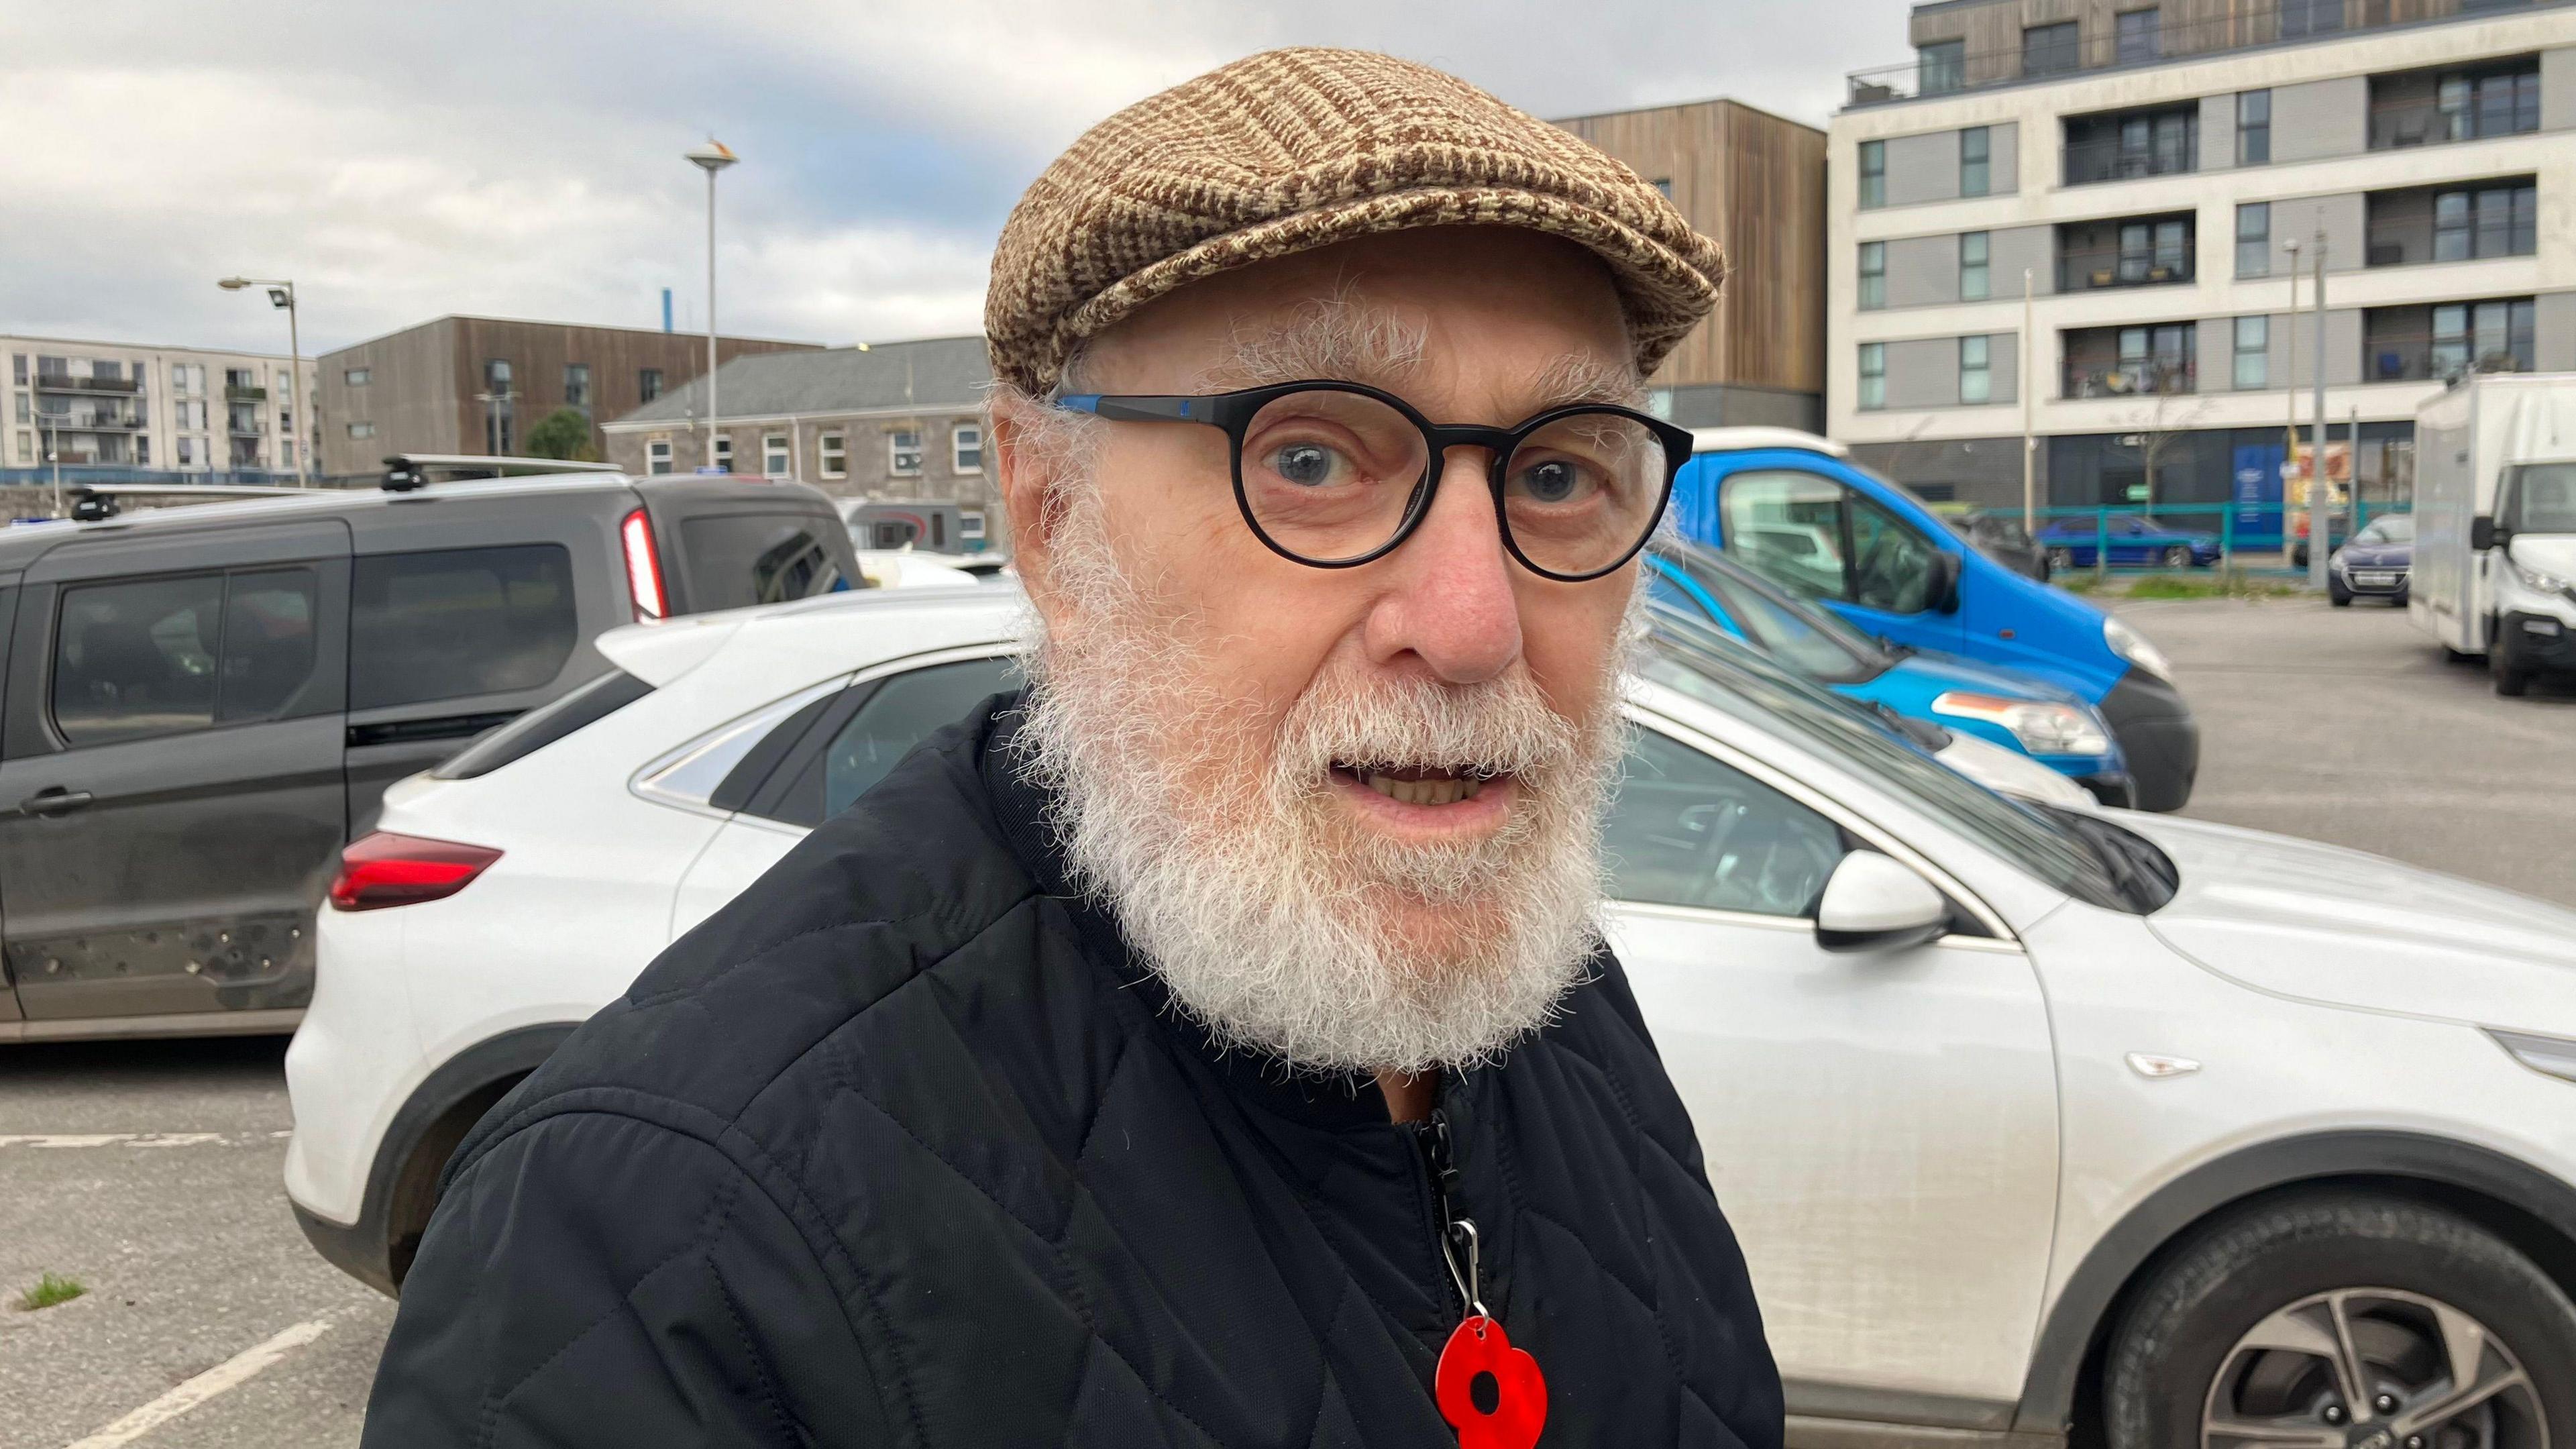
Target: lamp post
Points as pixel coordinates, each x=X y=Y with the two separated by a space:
x=2290 y=386
x=496 y=407
x=282 y=294
x=2029 y=439
x=711 y=158
x=54 y=455
x=2320 y=528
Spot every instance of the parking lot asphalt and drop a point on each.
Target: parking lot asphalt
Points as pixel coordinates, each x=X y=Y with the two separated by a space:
x=2347 y=725
x=150 y=1170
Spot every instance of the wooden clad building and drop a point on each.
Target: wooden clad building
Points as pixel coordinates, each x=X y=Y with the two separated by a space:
x=422 y=390
x=1756 y=184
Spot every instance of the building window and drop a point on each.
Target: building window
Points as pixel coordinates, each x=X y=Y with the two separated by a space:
x=1873 y=173
x=26 y=409
x=2127 y=145
x=966 y=448
x=26 y=446
x=2494 y=221
x=18 y=368
x=1873 y=375
x=2158 y=251
x=2160 y=359
x=191 y=453
x=1944 y=66
x=2049 y=49
x=1973 y=252
x=2253 y=128
x=2482 y=337
x=362 y=430
x=648 y=383
x=2137 y=36
x=657 y=457
x=1976 y=375
x=2254 y=239
x=354 y=377
x=1976 y=161
x=2303 y=18
x=2499 y=103
x=835 y=455
x=1664 y=184
x=2253 y=353
x=724 y=452
x=496 y=375
x=577 y=385
x=1873 y=276
x=903 y=453
x=773 y=455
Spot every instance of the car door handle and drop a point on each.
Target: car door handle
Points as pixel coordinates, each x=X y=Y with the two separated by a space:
x=55 y=801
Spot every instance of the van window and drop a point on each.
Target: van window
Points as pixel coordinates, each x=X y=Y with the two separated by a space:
x=1794 y=528
x=1891 y=563
x=735 y=560
x=2542 y=499
x=458 y=622
x=142 y=657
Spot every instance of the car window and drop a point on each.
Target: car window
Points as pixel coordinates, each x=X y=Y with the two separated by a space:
x=1891 y=563
x=161 y=656
x=735 y=560
x=458 y=622
x=1784 y=524
x=895 y=714
x=2544 y=499
x=1687 y=830
x=1810 y=645
x=2389 y=528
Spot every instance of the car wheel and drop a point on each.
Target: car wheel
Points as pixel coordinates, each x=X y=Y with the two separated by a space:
x=2178 y=557
x=2061 y=558
x=2338 y=597
x=2341 y=1321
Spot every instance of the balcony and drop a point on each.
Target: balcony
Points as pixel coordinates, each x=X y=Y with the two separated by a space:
x=2111 y=362
x=2446 y=340
x=65 y=382
x=2438 y=108
x=2132 y=145
x=245 y=394
x=2459 y=222
x=91 y=421
x=2146 y=251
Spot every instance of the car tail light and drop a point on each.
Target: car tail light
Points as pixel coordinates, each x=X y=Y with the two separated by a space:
x=643 y=566
x=384 y=869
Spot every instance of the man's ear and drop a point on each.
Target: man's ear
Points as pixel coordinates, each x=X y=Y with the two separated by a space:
x=1027 y=479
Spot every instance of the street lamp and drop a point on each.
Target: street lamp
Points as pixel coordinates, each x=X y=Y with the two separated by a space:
x=282 y=294
x=711 y=158
x=496 y=412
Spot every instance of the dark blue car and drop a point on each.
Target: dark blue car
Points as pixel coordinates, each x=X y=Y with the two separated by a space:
x=2375 y=564
x=2133 y=539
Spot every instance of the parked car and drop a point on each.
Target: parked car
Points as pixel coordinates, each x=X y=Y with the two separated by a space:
x=203 y=704
x=2031 y=717
x=2375 y=564
x=2494 y=569
x=1999 y=536
x=1992 y=1093
x=2131 y=539
x=1901 y=574
x=2338 y=529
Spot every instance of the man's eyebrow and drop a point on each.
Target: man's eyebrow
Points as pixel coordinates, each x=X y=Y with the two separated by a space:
x=1584 y=377
x=1332 y=337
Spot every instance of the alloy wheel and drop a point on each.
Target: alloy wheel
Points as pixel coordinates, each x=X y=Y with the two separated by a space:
x=2372 y=1368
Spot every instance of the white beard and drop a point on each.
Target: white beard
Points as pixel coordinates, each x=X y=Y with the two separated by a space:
x=1267 y=911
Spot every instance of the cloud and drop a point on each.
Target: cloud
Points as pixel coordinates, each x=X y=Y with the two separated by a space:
x=521 y=158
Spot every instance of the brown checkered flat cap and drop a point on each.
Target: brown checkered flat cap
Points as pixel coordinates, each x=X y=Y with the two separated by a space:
x=1291 y=150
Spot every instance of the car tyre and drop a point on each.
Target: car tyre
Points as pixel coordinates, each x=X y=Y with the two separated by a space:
x=2338 y=595
x=2060 y=559
x=2178 y=557
x=2250 y=1323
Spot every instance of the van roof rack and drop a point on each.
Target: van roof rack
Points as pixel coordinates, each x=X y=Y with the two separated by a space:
x=405 y=472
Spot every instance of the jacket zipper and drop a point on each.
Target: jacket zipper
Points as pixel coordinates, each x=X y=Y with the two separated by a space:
x=1432 y=1142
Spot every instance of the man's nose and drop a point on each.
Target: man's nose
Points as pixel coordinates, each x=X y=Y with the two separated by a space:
x=1452 y=602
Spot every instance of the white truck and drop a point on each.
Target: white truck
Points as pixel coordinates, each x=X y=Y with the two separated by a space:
x=2495 y=523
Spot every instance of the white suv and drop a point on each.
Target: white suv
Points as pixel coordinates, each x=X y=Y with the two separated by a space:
x=2020 y=1113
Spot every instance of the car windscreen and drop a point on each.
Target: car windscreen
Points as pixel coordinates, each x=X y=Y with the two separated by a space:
x=1803 y=636
x=735 y=560
x=2544 y=498
x=2389 y=528
x=2022 y=834
x=540 y=727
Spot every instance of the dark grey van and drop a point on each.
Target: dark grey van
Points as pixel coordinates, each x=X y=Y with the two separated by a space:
x=200 y=705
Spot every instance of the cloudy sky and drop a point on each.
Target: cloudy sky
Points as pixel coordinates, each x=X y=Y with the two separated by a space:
x=521 y=157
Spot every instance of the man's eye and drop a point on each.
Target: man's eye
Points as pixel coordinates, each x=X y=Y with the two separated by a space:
x=1553 y=481
x=1309 y=465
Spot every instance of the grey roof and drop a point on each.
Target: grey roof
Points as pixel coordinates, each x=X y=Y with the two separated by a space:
x=942 y=372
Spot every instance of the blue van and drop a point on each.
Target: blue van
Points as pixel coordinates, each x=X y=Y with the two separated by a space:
x=2028 y=716
x=1795 y=509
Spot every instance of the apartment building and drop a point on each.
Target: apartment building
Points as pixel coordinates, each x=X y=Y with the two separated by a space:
x=121 y=412
x=887 y=422
x=1754 y=183
x=2140 y=170
x=477 y=384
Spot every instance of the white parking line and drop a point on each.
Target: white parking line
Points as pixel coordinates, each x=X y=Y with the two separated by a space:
x=231 y=1374
x=139 y=1139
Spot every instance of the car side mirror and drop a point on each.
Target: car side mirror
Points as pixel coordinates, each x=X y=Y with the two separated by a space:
x=1875 y=903
x=2482 y=532
x=1944 y=593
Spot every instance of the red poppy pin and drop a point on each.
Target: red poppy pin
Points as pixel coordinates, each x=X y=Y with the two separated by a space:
x=1489 y=1391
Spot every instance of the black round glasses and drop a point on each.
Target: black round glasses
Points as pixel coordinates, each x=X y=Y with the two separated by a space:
x=1337 y=474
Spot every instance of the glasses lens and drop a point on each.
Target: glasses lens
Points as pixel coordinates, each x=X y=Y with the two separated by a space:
x=1330 y=475
x=1581 y=493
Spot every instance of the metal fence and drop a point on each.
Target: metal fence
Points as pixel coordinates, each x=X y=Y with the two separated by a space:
x=2253 y=536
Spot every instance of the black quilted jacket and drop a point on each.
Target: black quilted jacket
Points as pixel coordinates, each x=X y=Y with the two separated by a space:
x=899 y=1149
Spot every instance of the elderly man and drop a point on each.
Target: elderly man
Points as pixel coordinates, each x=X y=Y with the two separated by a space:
x=1214 y=1046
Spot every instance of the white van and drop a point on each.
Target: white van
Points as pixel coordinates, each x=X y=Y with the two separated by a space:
x=2495 y=523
